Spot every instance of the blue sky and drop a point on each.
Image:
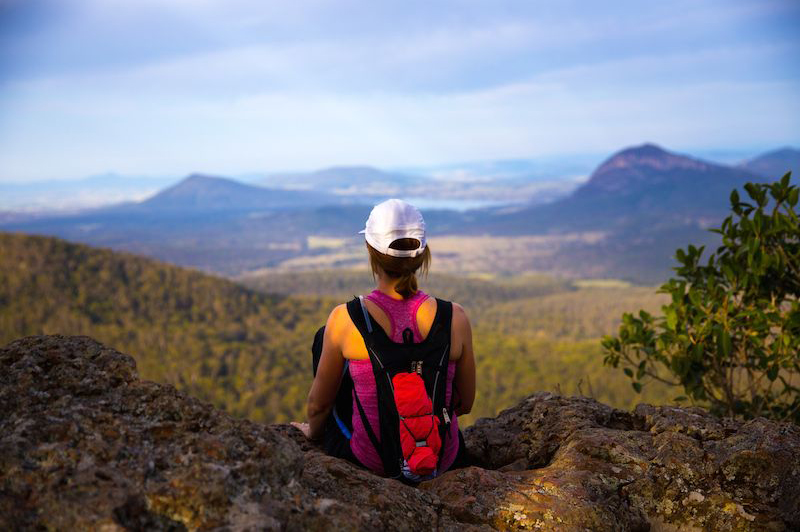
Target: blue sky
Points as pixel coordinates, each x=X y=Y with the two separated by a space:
x=148 y=87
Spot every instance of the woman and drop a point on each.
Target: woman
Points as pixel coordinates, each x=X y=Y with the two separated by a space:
x=404 y=317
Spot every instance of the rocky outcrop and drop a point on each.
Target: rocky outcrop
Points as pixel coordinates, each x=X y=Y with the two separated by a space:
x=573 y=463
x=85 y=444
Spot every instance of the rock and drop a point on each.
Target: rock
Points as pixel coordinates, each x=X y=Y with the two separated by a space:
x=85 y=444
x=659 y=468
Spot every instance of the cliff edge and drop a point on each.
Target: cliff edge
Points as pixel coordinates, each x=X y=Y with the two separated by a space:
x=86 y=444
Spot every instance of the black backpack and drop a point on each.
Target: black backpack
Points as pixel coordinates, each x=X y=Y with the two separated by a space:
x=429 y=358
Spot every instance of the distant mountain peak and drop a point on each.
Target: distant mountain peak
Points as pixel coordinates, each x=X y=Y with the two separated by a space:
x=648 y=148
x=650 y=157
x=205 y=193
x=197 y=177
x=772 y=165
x=204 y=184
x=643 y=165
x=786 y=151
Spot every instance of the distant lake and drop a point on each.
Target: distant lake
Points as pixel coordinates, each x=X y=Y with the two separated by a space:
x=452 y=204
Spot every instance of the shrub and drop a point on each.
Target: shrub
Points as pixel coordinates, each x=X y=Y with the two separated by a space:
x=731 y=334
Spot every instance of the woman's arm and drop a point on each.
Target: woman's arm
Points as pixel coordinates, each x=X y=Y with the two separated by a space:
x=329 y=375
x=465 y=367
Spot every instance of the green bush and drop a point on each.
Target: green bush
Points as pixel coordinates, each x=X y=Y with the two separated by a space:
x=731 y=334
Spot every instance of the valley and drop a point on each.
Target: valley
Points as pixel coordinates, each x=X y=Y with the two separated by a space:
x=624 y=222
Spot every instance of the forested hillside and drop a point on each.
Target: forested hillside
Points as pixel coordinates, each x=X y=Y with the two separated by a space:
x=474 y=293
x=248 y=351
x=239 y=349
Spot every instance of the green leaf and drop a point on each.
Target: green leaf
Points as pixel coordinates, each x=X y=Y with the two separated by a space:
x=694 y=297
x=697 y=352
x=637 y=386
x=724 y=343
x=728 y=271
x=628 y=372
x=772 y=373
x=671 y=316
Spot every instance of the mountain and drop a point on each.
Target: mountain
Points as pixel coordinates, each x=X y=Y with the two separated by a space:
x=642 y=167
x=211 y=223
x=207 y=194
x=364 y=180
x=639 y=205
x=635 y=190
x=648 y=183
x=774 y=164
x=86 y=444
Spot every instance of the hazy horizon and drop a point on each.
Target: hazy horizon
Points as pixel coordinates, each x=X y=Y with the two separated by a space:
x=720 y=155
x=109 y=188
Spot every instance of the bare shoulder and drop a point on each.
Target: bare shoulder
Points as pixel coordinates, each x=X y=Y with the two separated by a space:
x=338 y=311
x=460 y=318
x=461 y=333
x=338 y=322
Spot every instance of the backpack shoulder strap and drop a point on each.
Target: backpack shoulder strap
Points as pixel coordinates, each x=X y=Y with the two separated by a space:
x=442 y=326
x=443 y=320
x=360 y=316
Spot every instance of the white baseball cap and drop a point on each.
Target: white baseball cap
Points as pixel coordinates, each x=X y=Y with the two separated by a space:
x=392 y=220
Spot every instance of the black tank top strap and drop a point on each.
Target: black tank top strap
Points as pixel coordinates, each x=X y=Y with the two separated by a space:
x=444 y=315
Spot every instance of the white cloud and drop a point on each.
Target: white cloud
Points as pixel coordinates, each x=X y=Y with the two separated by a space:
x=275 y=130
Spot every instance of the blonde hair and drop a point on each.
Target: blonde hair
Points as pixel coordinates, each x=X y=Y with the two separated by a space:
x=402 y=268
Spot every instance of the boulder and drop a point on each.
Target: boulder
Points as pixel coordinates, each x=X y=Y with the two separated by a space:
x=86 y=444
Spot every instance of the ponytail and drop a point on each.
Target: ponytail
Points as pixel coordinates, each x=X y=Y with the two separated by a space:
x=407 y=285
x=402 y=268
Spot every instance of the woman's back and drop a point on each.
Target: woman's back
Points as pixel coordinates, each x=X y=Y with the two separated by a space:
x=399 y=319
x=352 y=344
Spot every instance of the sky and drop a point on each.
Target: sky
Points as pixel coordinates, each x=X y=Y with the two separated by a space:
x=168 y=87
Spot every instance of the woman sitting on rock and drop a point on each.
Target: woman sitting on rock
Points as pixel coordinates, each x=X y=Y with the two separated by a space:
x=393 y=369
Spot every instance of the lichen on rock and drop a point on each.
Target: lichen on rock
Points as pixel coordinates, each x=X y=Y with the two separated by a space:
x=86 y=444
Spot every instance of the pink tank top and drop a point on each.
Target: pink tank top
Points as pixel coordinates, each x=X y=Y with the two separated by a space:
x=402 y=315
